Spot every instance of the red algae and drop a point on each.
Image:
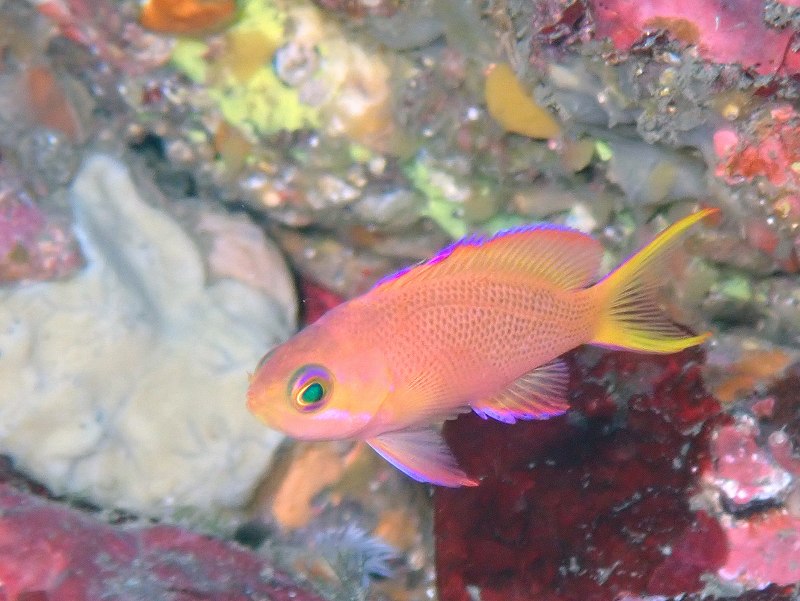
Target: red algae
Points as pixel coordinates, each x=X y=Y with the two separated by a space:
x=696 y=552
x=591 y=505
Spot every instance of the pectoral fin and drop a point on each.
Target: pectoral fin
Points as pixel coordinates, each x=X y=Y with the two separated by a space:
x=539 y=394
x=423 y=455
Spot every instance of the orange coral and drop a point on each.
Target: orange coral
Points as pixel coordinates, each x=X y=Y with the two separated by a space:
x=188 y=17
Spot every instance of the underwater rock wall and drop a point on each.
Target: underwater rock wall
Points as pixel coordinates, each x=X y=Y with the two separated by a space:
x=136 y=292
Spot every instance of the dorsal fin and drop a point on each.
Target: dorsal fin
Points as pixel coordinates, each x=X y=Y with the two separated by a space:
x=563 y=256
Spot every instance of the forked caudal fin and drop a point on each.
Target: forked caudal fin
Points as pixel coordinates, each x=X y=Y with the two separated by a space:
x=630 y=316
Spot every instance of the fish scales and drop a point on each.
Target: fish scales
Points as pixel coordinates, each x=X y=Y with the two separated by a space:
x=487 y=333
x=478 y=327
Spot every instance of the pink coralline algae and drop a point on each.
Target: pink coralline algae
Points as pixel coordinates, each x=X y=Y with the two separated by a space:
x=755 y=466
x=51 y=552
x=33 y=246
x=741 y=469
x=770 y=150
x=588 y=506
x=764 y=550
x=724 y=31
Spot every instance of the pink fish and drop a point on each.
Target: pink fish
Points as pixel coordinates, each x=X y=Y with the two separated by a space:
x=478 y=327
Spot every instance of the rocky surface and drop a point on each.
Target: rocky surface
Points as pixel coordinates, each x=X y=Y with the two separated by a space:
x=124 y=382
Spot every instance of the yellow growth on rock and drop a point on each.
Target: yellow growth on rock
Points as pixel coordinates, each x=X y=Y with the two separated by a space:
x=511 y=106
x=246 y=51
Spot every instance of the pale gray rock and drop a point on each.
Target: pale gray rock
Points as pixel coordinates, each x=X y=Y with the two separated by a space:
x=126 y=383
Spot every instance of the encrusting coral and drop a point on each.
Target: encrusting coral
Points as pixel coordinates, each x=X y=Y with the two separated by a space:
x=124 y=382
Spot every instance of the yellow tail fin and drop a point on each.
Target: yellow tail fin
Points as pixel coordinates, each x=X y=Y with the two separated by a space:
x=630 y=316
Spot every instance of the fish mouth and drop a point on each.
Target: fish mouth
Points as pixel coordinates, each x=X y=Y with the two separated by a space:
x=256 y=408
x=250 y=403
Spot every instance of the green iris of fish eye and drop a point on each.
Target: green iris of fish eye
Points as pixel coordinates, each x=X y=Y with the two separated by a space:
x=312 y=393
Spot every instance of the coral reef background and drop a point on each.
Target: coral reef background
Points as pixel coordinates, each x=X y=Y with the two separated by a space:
x=184 y=183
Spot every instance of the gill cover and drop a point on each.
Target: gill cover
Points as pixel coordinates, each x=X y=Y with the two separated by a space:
x=319 y=385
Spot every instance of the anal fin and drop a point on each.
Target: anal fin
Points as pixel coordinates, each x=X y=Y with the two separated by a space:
x=539 y=394
x=423 y=455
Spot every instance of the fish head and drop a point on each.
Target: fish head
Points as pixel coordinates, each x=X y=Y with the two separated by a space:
x=319 y=385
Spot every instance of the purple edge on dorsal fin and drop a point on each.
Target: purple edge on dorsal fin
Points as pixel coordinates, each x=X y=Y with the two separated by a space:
x=476 y=240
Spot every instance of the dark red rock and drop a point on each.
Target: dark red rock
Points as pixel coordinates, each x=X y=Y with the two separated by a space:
x=701 y=549
x=49 y=551
x=315 y=301
x=591 y=505
x=772 y=593
x=560 y=22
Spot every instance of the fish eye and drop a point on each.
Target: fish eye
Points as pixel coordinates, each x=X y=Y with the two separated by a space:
x=311 y=387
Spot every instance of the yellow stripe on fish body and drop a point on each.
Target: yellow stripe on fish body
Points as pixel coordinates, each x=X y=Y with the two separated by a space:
x=478 y=327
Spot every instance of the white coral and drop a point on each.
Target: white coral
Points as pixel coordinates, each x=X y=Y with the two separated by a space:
x=126 y=384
